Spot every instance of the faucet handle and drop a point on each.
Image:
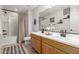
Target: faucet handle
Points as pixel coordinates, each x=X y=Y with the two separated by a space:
x=65 y=31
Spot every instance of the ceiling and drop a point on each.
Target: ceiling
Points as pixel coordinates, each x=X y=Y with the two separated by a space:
x=19 y=8
x=53 y=9
x=24 y=8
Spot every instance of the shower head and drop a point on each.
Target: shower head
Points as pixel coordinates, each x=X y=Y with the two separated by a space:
x=5 y=12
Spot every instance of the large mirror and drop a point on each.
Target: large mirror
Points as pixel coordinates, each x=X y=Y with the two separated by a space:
x=60 y=17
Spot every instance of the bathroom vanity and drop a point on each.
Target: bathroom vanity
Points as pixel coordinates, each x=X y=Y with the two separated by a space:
x=54 y=43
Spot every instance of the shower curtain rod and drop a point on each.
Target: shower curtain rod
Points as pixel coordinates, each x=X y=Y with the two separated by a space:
x=9 y=10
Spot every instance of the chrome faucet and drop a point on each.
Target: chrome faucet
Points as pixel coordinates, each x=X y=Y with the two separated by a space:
x=63 y=33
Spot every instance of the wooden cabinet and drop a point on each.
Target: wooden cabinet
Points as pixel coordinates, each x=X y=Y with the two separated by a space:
x=40 y=46
x=36 y=43
x=48 y=46
x=57 y=51
x=47 y=49
x=67 y=49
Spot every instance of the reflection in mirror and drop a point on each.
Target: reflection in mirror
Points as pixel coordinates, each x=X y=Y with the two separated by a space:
x=63 y=17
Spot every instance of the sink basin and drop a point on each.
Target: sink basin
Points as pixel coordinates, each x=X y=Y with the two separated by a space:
x=72 y=36
x=48 y=33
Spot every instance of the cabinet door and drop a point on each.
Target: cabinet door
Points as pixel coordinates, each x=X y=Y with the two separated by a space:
x=57 y=51
x=47 y=49
x=33 y=42
x=36 y=44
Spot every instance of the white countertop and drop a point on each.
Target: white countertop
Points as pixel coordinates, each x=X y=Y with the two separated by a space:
x=70 y=39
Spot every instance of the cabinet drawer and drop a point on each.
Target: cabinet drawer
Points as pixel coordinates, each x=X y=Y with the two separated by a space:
x=57 y=51
x=35 y=36
x=47 y=49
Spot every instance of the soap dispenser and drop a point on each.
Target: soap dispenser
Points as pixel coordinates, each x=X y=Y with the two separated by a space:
x=42 y=30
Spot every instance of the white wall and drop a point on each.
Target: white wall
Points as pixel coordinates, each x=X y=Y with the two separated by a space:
x=30 y=21
x=36 y=26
